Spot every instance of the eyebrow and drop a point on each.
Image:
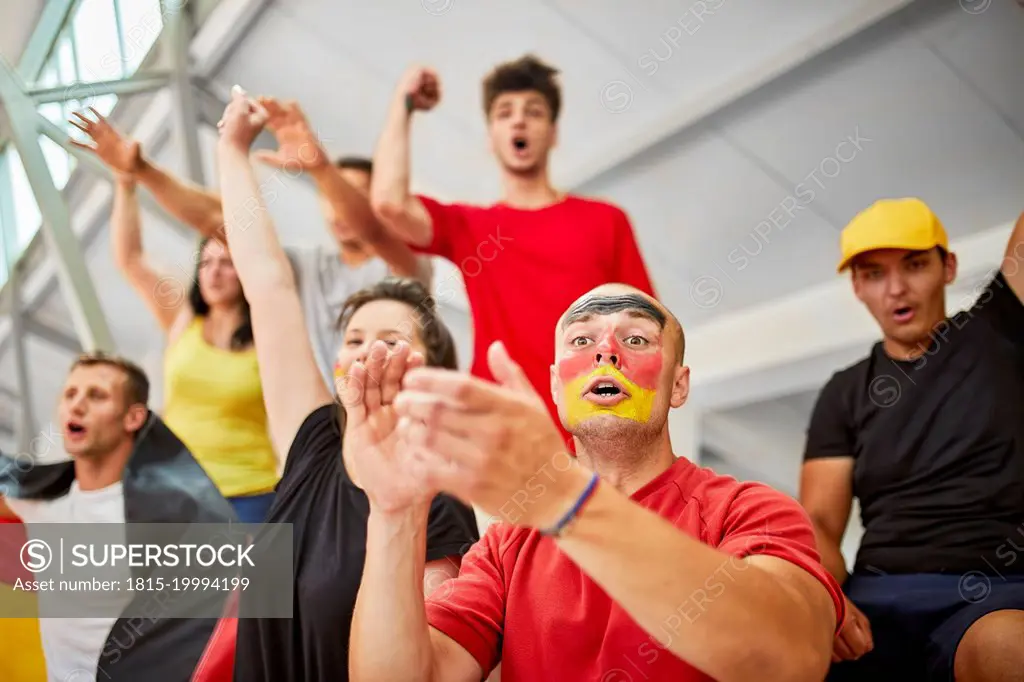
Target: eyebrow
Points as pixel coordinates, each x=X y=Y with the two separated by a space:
x=634 y=304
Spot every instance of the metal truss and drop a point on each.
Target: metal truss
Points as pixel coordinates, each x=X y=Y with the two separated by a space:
x=20 y=97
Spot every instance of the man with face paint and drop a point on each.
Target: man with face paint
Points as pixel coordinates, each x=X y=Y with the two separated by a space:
x=625 y=563
x=927 y=432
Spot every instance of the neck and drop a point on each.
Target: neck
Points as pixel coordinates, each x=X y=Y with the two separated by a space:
x=222 y=321
x=354 y=258
x=96 y=472
x=528 y=191
x=624 y=463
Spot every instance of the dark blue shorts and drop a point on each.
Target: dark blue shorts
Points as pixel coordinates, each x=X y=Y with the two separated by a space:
x=917 y=622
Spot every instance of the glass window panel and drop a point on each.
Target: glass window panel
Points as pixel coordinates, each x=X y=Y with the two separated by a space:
x=141 y=23
x=102 y=103
x=55 y=112
x=48 y=78
x=66 y=61
x=57 y=160
x=26 y=211
x=96 y=42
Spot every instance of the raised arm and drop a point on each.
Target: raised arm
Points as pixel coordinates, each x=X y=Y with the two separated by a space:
x=401 y=212
x=299 y=148
x=192 y=205
x=164 y=296
x=292 y=384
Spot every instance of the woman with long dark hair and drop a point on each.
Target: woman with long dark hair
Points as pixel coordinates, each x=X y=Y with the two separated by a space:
x=213 y=397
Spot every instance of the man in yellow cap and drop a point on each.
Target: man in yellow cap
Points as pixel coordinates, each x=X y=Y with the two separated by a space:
x=927 y=433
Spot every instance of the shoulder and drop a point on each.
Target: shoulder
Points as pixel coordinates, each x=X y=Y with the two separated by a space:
x=849 y=378
x=597 y=208
x=37 y=511
x=318 y=436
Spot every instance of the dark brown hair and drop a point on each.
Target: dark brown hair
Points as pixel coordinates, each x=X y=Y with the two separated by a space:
x=242 y=336
x=432 y=330
x=522 y=75
x=136 y=387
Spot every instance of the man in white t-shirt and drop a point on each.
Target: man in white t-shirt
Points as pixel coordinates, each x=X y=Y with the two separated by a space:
x=104 y=418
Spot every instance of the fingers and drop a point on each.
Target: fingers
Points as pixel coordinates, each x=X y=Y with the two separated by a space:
x=436 y=412
x=842 y=650
x=475 y=395
x=81 y=145
x=394 y=371
x=352 y=394
x=270 y=158
x=374 y=372
x=506 y=371
x=448 y=445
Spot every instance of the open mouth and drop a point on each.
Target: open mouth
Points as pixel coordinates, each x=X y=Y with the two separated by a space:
x=75 y=429
x=520 y=144
x=605 y=391
x=903 y=314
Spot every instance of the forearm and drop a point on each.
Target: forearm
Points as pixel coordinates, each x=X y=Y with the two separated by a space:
x=256 y=252
x=350 y=205
x=192 y=205
x=730 y=619
x=831 y=554
x=125 y=233
x=390 y=186
x=389 y=607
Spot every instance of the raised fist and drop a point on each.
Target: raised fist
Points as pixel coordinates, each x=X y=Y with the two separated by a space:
x=421 y=88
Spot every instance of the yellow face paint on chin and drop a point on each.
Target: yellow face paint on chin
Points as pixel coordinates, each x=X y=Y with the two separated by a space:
x=636 y=407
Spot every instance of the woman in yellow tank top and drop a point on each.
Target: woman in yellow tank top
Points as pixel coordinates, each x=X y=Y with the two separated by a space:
x=213 y=398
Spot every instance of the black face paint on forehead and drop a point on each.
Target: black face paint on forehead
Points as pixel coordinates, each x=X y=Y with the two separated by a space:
x=606 y=305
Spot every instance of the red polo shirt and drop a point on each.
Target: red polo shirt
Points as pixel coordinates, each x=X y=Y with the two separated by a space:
x=521 y=601
x=522 y=270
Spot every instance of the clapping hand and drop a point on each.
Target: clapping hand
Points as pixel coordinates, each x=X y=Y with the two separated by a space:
x=242 y=121
x=494 y=446
x=377 y=458
x=297 y=144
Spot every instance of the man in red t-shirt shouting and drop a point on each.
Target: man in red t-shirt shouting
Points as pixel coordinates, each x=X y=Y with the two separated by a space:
x=525 y=258
x=626 y=563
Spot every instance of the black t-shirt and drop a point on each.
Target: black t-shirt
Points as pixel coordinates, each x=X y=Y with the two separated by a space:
x=938 y=444
x=329 y=516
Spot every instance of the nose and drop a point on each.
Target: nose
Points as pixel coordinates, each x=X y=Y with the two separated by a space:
x=896 y=284
x=607 y=353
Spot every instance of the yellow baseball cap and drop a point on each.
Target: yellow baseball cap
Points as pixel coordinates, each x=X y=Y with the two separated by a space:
x=892 y=224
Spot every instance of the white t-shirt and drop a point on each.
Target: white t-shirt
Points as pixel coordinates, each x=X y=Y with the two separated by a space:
x=72 y=646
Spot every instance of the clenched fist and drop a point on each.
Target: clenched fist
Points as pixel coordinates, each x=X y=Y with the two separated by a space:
x=421 y=88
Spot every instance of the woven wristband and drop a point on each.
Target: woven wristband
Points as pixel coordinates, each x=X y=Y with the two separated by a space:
x=557 y=529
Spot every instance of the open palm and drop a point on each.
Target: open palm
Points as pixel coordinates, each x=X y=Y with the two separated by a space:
x=376 y=459
x=297 y=144
x=119 y=153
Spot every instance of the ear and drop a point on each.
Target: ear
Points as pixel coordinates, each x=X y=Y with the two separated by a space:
x=680 y=386
x=556 y=385
x=135 y=418
x=950 y=267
